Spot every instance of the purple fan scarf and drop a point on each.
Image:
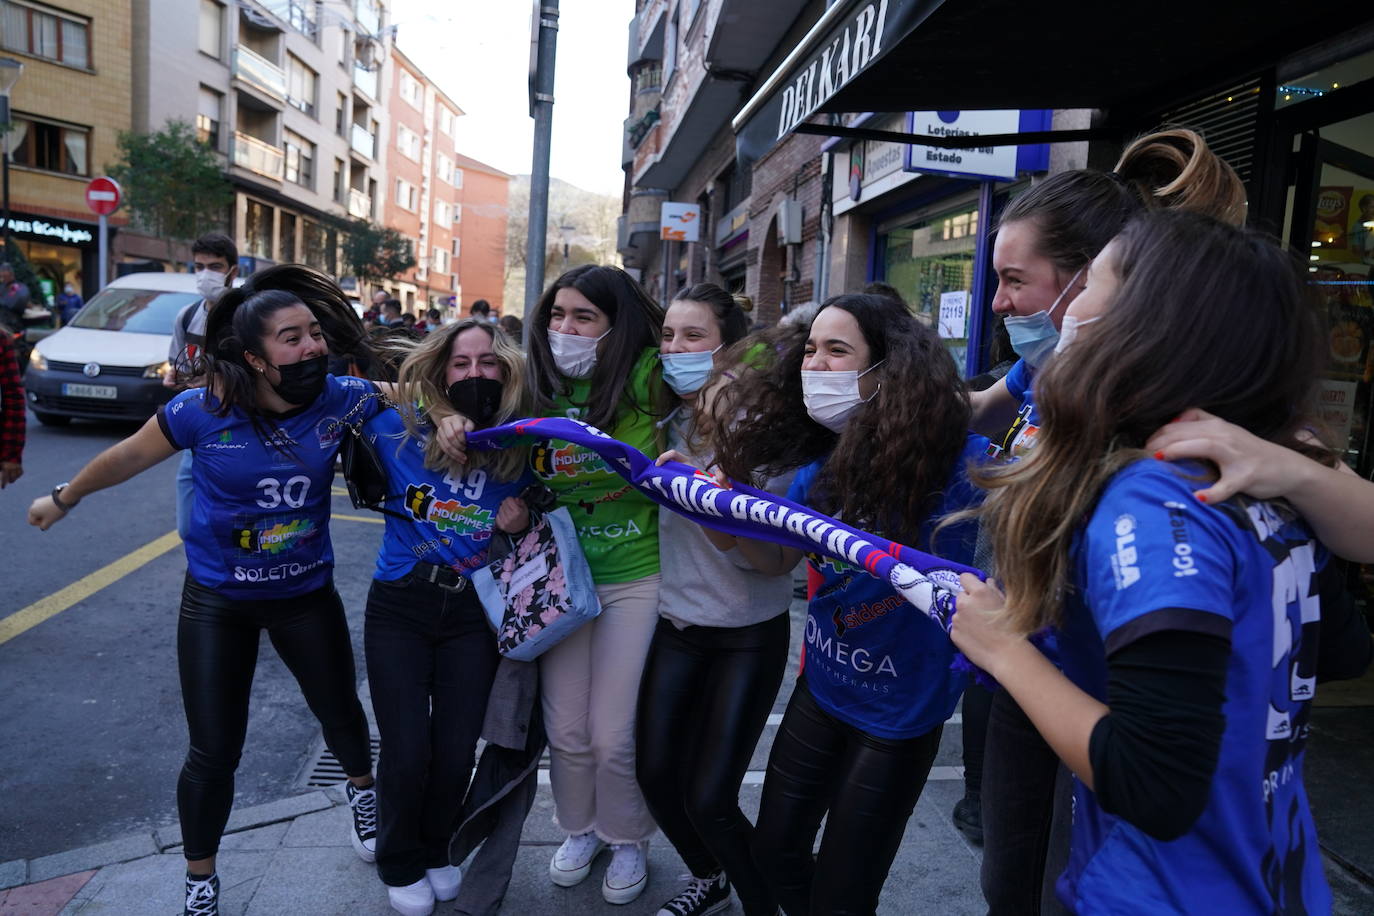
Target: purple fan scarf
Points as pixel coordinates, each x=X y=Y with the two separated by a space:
x=927 y=581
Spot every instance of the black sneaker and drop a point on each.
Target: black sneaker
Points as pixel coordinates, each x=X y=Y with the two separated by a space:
x=700 y=897
x=364 y=833
x=202 y=896
x=968 y=817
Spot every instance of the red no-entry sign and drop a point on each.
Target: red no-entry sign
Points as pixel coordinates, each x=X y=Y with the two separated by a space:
x=102 y=196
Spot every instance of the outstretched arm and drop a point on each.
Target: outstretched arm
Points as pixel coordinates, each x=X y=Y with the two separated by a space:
x=115 y=465
x=1336 y=502
x=993 y=409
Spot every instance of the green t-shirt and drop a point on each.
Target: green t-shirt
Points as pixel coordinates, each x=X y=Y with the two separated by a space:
x=616 y=525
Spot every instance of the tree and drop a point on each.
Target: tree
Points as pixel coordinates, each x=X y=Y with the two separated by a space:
x=374 y=253
x=173 y=185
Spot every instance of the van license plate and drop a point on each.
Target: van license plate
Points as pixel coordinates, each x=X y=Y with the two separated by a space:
x=71 y=390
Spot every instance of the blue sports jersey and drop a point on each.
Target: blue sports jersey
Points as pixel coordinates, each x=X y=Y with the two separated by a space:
x=1020 y=437
x=260 y=519
x=448 y=519
x=1153 y=558
x=872 y=660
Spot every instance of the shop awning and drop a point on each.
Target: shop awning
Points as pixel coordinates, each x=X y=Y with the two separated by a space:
x=931 y=55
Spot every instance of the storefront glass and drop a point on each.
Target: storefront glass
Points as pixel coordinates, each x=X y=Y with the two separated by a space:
x=930 y=262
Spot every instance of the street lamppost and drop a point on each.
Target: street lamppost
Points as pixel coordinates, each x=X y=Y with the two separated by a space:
x=10 y=69
x=567 y=233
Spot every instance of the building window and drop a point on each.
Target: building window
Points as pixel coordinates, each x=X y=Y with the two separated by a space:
x=369 y=16
x=211 y=28
x=446 y=120
x=445 y=168
x=457 y=248
x=345 y=45
x=441 y=212
x=457 y=181
x=457 y=213
x=300 y=160
x=301 y=15
x=440 y=261
x=50 y=146
x=409 y=88
x=408 y=142
x=43 y=32
x=288 y=238
x=257 y=229
x=209 y=113
x=341 y=114
x=300 y=85
x=406 y=194
x=339 y=181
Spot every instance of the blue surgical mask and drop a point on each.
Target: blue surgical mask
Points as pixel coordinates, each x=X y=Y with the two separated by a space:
x=687 y=372
x=1033 y=337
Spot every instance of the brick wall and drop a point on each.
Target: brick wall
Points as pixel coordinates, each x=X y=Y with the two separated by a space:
x=791 y=170
x=482 y=264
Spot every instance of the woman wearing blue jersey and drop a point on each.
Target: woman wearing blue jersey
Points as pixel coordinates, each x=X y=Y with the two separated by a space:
x=431 y=655
x=866 y=410
x=1187 y=636
x=258 y=551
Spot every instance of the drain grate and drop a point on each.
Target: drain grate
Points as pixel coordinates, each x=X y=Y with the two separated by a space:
x=327 y=772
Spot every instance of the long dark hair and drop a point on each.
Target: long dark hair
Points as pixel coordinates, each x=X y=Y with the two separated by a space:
x=1076 y=213
x=636 y=324
x=888 y=467
x=733 y=322
x=237 y=322
x=1207 y=315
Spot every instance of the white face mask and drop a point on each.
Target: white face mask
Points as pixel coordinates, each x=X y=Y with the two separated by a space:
x=1069 y=330
x=210 y=283
x=574 y=355
x=832 y=397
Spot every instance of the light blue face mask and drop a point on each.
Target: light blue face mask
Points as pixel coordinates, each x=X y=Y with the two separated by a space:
x=1033 y=337
x=685 y=373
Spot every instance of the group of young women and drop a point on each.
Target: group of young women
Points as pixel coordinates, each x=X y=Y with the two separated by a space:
x=1175 y=617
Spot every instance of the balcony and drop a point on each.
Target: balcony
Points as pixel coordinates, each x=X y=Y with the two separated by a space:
x=366 y=80
x=256 y=156
x=363 y=141
x=260 y=73
x=359 y=204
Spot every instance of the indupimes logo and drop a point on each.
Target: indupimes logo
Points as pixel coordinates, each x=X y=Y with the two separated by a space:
x=448 y=514
x=570 y=460
x=274 y=540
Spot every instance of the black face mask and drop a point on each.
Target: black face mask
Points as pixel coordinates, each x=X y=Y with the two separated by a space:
x=478 y=399
x=301 y=383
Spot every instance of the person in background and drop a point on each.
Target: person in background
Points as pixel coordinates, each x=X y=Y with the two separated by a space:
x=374 y=311
x=12 y=415
x=480 y=309
x=408 y=322
x=14 y=298
x=391 y=314
x=69 y=303
x=215 y=262
x=513 y=326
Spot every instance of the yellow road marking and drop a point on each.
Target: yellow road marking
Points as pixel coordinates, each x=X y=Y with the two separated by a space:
x=338 y=491
x=85 y=587
x=359 y=518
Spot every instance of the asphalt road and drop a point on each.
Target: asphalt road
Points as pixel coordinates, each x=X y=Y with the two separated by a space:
x=91 y=728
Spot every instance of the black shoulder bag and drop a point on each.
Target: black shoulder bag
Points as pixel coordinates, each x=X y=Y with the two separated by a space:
x=363 y=469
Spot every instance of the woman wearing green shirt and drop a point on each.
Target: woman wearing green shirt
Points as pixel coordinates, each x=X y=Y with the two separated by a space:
x=593 y=356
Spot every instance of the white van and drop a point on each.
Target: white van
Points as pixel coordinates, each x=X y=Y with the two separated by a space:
x=108 y=363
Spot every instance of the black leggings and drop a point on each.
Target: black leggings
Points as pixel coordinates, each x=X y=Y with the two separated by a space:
x=431 y=658
x=867 y=786
x=703 y=702
x=217 y=652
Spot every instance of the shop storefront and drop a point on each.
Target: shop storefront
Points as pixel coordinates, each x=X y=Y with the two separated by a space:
x=60 y=251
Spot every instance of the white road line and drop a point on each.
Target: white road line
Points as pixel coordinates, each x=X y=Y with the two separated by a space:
x=957 y=719
x=755 y=777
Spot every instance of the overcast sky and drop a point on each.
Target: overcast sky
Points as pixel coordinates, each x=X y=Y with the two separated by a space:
x=478 y=51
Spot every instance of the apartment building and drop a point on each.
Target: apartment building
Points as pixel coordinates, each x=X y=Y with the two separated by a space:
x=451 y=205
x=289 y=93
x=67 y=108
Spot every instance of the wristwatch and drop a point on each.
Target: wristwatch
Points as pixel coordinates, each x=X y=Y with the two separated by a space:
x=57 y=498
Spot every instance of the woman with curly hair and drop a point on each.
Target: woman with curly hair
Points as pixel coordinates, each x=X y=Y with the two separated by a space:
x=258 y=553
x=865 y=410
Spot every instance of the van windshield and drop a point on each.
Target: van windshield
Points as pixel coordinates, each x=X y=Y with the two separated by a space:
x=144 y=311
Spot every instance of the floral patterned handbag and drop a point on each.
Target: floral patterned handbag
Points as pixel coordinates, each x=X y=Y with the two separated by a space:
x=539 y=592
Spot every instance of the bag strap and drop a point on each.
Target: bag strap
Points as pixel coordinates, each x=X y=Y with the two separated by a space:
x=353 y=422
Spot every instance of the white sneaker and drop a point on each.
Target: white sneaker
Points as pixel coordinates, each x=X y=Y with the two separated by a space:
x=412 y=900
x=573 y=860
x=628 y=873
x=445 y=881
x=363 y=835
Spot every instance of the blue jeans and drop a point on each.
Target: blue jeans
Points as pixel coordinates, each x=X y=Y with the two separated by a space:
x=185 y=494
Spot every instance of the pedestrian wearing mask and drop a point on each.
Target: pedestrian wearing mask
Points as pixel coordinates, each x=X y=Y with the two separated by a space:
x=593 y=356
x=867 y=411
x=431 y=655
x=1187 y=632
x=719 y=651
x=215 y=262
x=258 y=550
x=1045 y=240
